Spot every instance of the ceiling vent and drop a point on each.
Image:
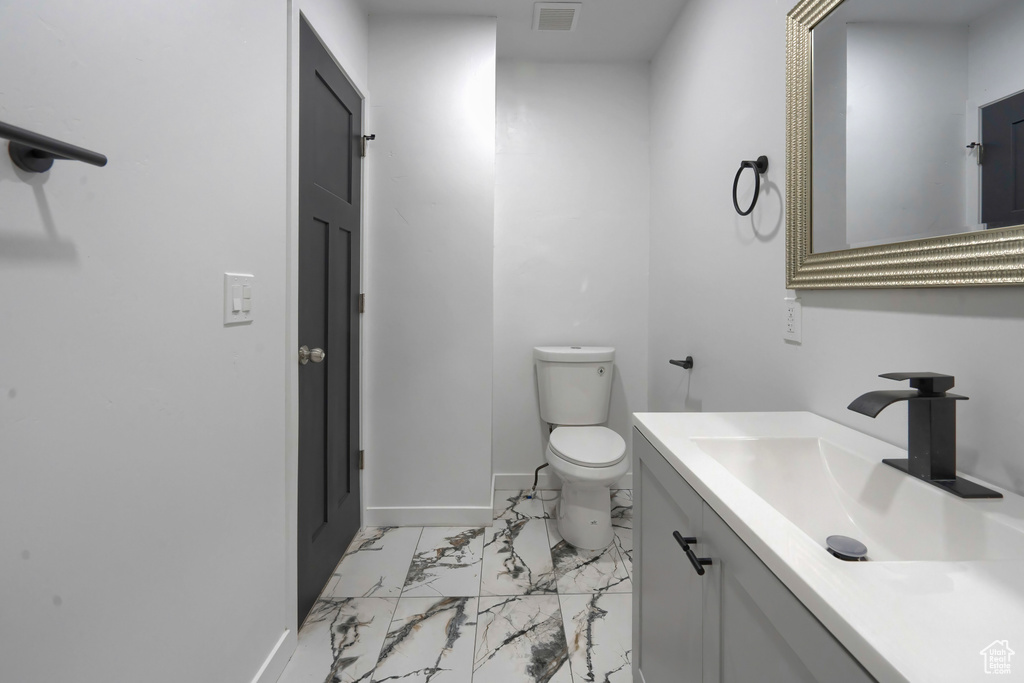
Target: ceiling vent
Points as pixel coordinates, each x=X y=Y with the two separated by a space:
x=556 y=16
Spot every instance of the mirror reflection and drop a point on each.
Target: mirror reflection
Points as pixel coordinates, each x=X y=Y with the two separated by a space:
x=918 y=120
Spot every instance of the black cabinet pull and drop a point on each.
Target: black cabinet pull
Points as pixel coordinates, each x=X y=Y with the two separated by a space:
x=698 y=562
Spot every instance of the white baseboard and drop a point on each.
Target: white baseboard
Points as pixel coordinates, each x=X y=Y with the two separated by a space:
x=275 y=662
x=429 y=516
x=468 y=516
x=546 y=480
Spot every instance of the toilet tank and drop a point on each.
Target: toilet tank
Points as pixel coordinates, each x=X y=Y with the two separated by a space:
x=574 y=383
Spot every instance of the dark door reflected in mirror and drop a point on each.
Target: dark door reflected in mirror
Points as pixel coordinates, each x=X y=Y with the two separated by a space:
x=1002 y=174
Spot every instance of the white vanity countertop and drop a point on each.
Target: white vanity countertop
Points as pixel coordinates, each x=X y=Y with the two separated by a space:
x=920 y=621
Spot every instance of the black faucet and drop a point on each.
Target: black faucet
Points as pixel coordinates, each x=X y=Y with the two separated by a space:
x=931 y=432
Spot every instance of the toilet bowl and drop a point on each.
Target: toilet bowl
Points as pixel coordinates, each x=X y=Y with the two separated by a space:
x=574 y=388
x=588 y=460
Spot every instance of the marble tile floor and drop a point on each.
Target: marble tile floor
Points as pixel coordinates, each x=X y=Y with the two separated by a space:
x=500 y=604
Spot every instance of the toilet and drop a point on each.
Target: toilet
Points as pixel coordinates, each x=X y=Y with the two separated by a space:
x=574 y=384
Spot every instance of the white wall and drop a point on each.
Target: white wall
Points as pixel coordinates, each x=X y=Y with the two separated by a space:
x=995 y=53
x=906 y=88
x=142 y=479
x=570 y=242
x=717 y=280
x=429 y=270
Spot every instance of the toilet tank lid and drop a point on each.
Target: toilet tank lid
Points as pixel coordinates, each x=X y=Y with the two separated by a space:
x=574 y=354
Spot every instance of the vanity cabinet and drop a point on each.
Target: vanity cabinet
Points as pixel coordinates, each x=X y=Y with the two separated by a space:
x=735 y=624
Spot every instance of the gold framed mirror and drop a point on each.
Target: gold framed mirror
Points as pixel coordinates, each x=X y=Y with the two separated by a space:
x=978 y=253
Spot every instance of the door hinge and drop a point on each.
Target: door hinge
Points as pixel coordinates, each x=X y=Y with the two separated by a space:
x=981 y=151
x=362 y=303
x=367 y=138
x=361 y=459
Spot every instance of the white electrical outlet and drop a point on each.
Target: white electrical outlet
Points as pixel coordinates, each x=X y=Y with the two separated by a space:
x=792 y=313
x=238 y=306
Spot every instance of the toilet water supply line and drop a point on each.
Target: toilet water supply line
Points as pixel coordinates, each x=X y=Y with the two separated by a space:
x=536 y=472
x=536 y=476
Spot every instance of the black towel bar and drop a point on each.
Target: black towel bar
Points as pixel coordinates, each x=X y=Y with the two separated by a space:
x=35 y=153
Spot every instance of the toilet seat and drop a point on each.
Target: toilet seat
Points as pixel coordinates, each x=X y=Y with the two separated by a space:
x=590 y=446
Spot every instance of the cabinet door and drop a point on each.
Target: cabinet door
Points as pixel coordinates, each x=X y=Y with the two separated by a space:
x=755 y=629
x=668 y=594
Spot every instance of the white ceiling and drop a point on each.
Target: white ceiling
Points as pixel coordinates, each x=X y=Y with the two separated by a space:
x=608 y=30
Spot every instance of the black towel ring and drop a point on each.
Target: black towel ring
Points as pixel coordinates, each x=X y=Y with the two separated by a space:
x=760 y=166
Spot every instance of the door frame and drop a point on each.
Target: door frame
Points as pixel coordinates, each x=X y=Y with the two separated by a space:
x=291 y=388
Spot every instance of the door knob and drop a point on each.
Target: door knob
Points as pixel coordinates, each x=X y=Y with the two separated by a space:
x=305 y=355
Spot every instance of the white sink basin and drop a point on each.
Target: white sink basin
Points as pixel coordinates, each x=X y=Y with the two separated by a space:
x=824 y=490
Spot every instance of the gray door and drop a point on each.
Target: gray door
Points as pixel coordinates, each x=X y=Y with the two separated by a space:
x=330 y=136
x=1002 y=174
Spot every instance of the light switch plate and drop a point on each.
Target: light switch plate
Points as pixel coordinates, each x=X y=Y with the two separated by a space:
x=235 y=312
x=792 y=312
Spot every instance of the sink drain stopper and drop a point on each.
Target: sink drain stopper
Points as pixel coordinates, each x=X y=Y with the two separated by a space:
x=846 y=548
